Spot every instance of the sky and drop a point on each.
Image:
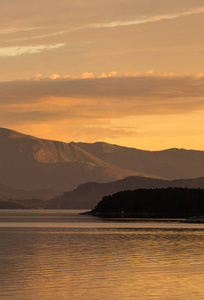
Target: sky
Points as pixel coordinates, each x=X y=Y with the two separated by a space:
x=126 y=72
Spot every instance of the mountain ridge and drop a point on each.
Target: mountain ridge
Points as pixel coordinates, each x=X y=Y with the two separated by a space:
x=10 y=193
x=87 y=195
x=31 y=163
x=173 y=163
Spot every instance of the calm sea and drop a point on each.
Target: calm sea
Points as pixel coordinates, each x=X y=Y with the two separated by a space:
x=59 y=254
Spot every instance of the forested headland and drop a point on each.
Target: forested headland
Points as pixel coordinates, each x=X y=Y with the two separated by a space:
x=159 y=202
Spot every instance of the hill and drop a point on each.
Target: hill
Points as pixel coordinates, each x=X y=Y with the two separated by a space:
x=89 y=194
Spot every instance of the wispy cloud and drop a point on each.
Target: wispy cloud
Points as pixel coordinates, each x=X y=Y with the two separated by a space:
x=20 y=50
x=114 y=24
x=17 y=30
x=148 y=20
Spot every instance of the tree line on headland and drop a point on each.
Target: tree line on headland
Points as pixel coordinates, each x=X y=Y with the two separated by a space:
x=159 y=202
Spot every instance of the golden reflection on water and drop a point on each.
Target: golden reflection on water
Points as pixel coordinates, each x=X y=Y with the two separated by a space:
x=101 y=263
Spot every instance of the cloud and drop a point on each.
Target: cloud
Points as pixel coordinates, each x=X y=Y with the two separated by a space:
x=105 y=97
x=86 y=75
x=139 y=21
x=55 y=76
x=100 y=35
x=199 y=75
x=17 y=30
x=63 y=22
x=20 y=50
x=91 y=75
x=18 y=117
x=37 y=77
x=106 y=108
x=155 y=18
x=90 y=133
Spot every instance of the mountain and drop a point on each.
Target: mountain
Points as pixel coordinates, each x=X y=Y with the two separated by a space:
x=170 y=164
x=87 y=195
x=10 y=204
x=30 y=163
x=7 y=192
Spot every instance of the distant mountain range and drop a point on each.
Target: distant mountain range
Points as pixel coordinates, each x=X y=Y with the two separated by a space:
x=7 y=192
x=169 y=164
x=30 y=163
x=89 y=194
x=11 y=204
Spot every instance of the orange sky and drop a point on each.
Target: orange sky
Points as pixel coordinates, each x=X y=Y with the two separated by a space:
x=128 y=72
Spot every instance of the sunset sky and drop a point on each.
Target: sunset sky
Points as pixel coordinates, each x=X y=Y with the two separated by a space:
x=127 y=72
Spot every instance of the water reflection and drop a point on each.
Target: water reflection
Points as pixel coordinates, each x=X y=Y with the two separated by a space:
x=97 y=263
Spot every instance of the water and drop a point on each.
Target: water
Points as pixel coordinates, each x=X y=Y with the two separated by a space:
x=60 y=254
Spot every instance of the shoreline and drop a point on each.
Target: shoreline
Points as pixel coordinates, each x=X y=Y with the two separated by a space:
x=121 y=215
